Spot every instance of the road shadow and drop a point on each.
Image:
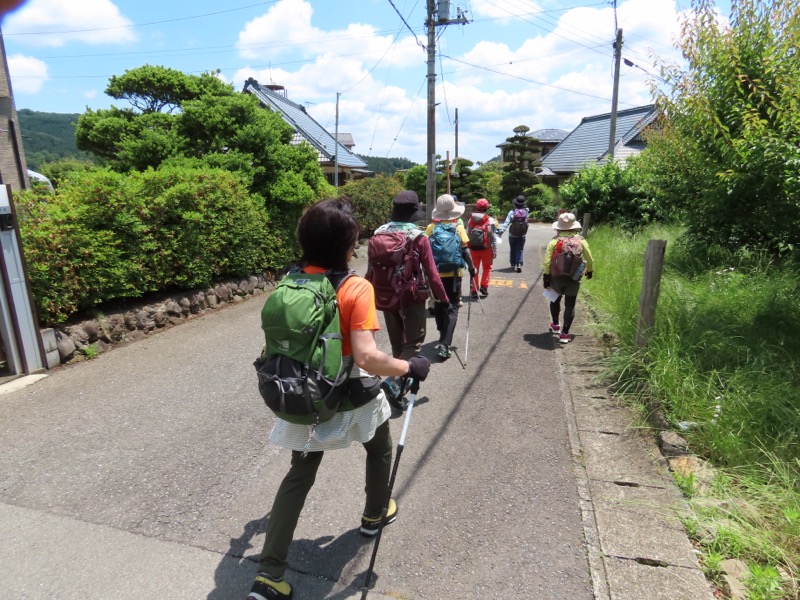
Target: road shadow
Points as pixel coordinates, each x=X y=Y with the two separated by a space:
x=235 y=572
x=543 y=341
x=326 y=559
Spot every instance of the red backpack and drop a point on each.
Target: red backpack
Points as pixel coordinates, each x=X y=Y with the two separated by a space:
x=478 y=233
x=394 y=270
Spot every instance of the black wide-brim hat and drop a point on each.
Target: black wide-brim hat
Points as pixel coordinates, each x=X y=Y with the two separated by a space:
x=519 y=202
x=405 y=208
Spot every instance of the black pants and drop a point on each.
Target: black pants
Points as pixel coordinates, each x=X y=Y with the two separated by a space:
x=569 y=311
x=446 y=319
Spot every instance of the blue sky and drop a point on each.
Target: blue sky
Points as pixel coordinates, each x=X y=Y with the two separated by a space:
x=543 y=64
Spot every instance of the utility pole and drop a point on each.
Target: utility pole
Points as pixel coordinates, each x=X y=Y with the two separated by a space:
x=457 y=154
x=336 y=146
x=438 y=15
x=612 y=133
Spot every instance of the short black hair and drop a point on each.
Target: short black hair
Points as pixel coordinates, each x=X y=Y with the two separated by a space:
x=327 y=231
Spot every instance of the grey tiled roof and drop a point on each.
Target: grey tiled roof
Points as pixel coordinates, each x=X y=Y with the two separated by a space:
x=550 y=135
x=588 y=142
x=544 y=135
x=296 y=116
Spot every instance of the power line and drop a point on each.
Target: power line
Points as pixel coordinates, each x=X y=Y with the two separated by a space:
x=529 y=80
x=402 y=18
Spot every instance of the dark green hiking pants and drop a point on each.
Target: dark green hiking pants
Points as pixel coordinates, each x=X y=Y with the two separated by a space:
x=293 y=490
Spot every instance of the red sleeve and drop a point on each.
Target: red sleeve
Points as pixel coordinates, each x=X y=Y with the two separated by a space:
x=429 y=267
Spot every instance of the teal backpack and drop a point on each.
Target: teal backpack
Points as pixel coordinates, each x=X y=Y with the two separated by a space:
x=301 y=373
x=446 y=247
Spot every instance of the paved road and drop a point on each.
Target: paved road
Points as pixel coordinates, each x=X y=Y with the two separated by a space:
x=146 y=473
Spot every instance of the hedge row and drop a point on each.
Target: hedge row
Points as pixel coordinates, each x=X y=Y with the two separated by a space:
x=105 y=236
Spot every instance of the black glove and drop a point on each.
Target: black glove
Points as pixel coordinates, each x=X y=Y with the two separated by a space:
x=472 y=272
x=418 y=368
x=588 y=275
x=546 y=280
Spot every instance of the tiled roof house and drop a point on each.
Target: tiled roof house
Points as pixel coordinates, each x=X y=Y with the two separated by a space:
x=588 y=143
x=351 y=167
x=548 y=139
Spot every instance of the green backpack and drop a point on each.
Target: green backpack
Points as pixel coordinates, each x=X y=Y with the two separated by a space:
x=301 y=373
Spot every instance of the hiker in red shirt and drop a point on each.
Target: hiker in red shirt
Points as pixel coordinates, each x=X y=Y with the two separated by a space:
x=482 y=246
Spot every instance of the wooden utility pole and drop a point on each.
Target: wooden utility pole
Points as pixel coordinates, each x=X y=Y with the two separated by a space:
x=612 y=134
x=336 y=146
x=434 y=19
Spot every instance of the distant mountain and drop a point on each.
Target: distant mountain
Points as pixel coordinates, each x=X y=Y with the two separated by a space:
x=48 y=136
x=386 y=166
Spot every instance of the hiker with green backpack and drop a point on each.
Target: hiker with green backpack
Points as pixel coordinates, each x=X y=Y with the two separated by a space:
x=566 y=260
x=450 y=246
x=329 y=396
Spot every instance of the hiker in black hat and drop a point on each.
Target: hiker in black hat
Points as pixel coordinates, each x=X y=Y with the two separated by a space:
x=516 y=224
x=401 y=290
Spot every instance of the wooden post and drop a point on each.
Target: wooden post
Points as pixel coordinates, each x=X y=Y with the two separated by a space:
x=651 y=285
x=587 y=220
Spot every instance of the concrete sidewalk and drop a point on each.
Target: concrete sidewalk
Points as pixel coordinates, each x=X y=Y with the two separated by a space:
x=146 y=473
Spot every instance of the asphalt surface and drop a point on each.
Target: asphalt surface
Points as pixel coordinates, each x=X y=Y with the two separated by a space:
x=146 y=473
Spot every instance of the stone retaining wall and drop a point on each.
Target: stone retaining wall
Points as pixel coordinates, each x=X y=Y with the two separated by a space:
x=79 y=341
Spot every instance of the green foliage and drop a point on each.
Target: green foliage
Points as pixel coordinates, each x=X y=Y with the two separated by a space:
x=416 y=179
x=59 y=170
x=153 y=89
x=206 y=125
x=519 y=175
x=386 y=166
x=729 y=152
x=105 y=236
x=610 y=192
x=724 y=354
x=372 y=200
x=48 y=137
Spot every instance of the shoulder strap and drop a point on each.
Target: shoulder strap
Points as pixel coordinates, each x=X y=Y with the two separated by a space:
x=337 y=278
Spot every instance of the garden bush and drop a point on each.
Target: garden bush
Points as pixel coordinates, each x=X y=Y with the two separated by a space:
x=107 y=236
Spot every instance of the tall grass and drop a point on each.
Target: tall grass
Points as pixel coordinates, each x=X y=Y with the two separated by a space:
x=722 y=361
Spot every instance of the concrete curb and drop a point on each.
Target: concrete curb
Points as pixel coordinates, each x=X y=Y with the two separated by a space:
x=636 y=545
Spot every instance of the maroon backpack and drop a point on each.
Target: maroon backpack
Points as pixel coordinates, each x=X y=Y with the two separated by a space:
x=394 y=270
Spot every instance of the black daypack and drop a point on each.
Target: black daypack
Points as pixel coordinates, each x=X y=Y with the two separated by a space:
x=301 y=372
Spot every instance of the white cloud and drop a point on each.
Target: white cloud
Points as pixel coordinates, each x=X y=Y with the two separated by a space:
x=54 y=23
x=28 y=74
x=503 y=9
x=89 y=94
x=286 y=26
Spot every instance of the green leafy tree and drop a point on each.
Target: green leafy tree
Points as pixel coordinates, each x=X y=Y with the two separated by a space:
x=196 y=121
x=372 y=200
x=519 y=174
x=154 y=89
x=729 y=152
x=416 y=179
x=611 y=194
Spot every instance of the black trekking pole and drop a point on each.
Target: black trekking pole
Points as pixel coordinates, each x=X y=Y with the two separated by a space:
x=400 y=445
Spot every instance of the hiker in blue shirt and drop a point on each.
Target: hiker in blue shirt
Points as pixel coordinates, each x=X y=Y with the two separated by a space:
x=516 y=224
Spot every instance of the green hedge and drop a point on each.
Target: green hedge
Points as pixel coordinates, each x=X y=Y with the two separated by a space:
x=106 y=236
